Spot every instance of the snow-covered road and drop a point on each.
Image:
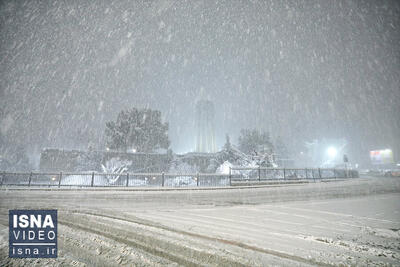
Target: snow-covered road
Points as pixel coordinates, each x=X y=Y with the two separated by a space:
x=345 y=222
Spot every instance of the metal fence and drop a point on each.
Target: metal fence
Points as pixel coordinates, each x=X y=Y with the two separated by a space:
x=235 y=176
x=239 y=174
x=93 y=179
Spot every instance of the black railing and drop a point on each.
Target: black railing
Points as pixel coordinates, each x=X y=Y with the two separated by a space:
x=94 y=179
x=235 y=176
x=238 y=174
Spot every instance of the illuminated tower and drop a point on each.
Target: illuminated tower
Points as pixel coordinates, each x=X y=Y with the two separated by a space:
x=205 y=133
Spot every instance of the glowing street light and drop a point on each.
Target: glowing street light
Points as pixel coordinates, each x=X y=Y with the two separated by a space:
x=332 y=152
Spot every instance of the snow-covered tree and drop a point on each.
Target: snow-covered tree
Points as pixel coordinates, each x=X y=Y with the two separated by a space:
x=139 y=129
x=253 y=142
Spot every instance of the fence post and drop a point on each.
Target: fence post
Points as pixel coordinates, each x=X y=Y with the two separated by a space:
x=30 y=179
x=313 y=174
x=162 y=179
x=91 y=184
x=2 y=178
x=306 y=174
x=284 y=173
x=259 y=173
x=230 y=176
x=198 y=178
x=319 y=173
x=334 y=174
x=59 y=181
x=127 y=179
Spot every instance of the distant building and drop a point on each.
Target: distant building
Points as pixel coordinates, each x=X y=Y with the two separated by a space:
x=205 y=131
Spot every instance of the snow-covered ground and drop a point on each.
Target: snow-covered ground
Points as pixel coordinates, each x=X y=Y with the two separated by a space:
x=353 y=222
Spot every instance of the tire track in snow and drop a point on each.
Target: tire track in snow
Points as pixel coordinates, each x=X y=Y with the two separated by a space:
x=210 y=238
